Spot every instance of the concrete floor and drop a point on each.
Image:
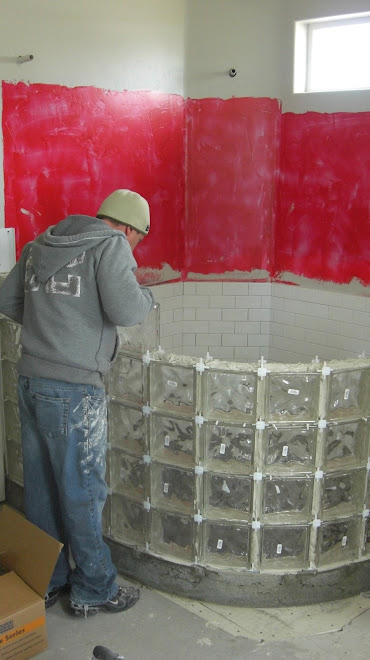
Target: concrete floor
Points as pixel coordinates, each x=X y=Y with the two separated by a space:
x=162 y=627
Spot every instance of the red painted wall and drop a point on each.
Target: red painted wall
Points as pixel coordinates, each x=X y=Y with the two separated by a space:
x=263 y=190
x=232 y=149
x=65 y=149
x=323 y=227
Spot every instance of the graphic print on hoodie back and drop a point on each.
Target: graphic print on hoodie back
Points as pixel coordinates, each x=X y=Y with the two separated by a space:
x=70 y=289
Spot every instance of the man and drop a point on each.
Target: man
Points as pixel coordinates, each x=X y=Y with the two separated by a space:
x=70 y=289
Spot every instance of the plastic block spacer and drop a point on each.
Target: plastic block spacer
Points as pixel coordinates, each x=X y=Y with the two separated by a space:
x=146 y=358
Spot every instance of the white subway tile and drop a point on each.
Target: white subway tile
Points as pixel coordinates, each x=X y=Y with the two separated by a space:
x=189 y=314
x=188 y=338
x=177 y=342
x=234 y=340
x=266 y=328
x=235 y=288
x=315 y=323
x=344 y=314
x=259 y=315
x=166 y=343
x=190 y=288
x=353 y=302
x=222 y=301
x=195 y=301
x=246 y=302
x=247 y=327
x=252 y=354
x=208 y=314
x=195 y=326
x=300 y=307
x=178 y=315
x=235 y=314
x=209 y=288
x=178 y=288
x=286 y=318
x=258 y=340
x=223 y=326
x=208 y=339
x=260 y=289
x=222 y=352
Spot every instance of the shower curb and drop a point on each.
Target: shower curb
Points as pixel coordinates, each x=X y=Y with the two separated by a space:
x=240 y=588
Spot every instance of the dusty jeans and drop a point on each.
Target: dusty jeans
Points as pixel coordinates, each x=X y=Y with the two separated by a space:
x=64 y=440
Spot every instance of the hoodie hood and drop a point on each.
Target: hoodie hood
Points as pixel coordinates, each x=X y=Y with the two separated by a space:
x=63 y=242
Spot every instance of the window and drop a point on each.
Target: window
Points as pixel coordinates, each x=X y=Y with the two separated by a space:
x=332 y=54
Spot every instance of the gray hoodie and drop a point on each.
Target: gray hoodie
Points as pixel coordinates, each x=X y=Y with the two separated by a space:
x=70 y=289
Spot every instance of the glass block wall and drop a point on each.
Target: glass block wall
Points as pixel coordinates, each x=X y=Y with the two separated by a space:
x=254 y=467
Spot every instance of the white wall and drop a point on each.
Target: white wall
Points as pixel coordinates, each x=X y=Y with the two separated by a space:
x=257 y=38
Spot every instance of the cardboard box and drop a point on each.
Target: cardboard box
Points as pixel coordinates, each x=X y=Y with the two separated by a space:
x=28 y=557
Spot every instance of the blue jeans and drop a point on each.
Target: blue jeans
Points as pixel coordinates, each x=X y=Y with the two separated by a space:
x=64 y=441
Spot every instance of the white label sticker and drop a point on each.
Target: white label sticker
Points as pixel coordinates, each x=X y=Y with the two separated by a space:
x=344 y=541
x=277 y=489
x=222 y=448
x=279 y=549
x=285 y=450
x=171 y=383
x=295 y=392
x=219 y=544
x=165 y=488
x=346 y=394
x=167 y=440
x=122 y=474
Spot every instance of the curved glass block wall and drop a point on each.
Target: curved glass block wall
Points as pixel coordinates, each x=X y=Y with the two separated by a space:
x=234 y=468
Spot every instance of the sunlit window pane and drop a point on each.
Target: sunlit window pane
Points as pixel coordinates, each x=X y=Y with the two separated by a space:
x=339 y=58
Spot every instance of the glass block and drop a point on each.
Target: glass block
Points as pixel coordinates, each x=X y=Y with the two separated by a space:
x=12 y=421
x=367 y=536
x=285 y=547
x=343 y=493
x=144 y=336
x=127 y=474
x=292 y=396
x=284 y=498
x=10 y=336
x=172 y=439
x=128 y=520
x=126 y=428
x=339 y=541
x=172 y=535
x=345 y=444
x=172 y=387
x=290 y=449
x=228 y=496
x=10 y=381
x=126 y=379
x=226 y=545
x=173 y=488
x=229 y=396
x=14 y=463
x=349 y=393
x=229 y=448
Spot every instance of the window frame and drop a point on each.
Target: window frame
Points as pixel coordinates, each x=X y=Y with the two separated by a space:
x=304 y=31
